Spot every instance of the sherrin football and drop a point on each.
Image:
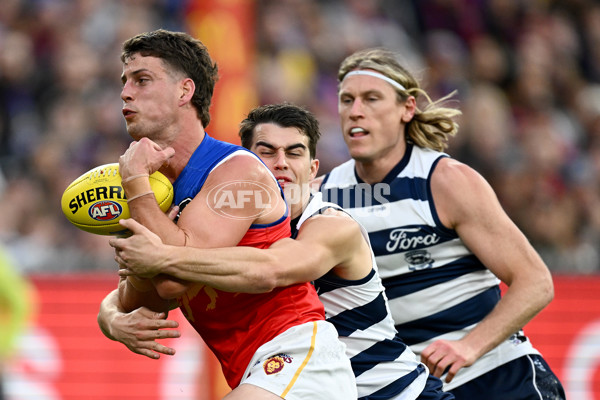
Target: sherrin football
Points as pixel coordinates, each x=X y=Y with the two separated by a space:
x=95 y=202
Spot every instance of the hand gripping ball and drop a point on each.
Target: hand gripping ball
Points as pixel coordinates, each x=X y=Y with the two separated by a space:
x=95 y=202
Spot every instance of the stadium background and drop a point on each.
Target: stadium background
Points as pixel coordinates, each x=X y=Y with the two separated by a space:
x=527 y=75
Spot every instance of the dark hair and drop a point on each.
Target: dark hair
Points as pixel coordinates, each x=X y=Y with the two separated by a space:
x=286 y=115
x=183 y=54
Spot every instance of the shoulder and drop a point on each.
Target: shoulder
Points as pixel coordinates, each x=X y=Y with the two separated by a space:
x=243 y=165
x=459 y=191
x=244 y=187
x=342 y=174
x=450 y=172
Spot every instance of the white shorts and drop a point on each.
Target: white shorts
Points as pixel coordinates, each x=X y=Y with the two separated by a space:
x=307 y=361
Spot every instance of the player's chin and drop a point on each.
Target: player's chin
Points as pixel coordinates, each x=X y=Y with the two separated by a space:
x=133 y=130
x=361 y=155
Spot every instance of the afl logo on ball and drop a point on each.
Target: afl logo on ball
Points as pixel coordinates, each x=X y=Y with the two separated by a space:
x=105 y=210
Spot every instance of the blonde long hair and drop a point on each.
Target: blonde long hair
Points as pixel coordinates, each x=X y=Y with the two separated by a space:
x=430 y=127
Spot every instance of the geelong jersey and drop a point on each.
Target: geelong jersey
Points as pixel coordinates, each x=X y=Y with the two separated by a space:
x=385 y=368
x=235 y=325
x=437 y=288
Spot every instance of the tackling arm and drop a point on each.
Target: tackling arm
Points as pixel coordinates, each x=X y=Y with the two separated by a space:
x=324 y=242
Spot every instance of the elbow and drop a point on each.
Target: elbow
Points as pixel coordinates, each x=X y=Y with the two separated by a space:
x=548 y=290
x=543 y=292
x=169 y=288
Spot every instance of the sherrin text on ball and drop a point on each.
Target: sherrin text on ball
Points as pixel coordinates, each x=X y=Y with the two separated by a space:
x=95 y=202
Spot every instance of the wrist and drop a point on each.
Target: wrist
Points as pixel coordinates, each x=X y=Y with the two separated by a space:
x=136 y=186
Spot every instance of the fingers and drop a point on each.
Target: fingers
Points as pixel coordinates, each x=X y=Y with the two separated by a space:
x=131 y=224
x=434 y=362
x=147 y=345
x=159 y=333
x=145 y=352
x=152 y=349
x=173 y=211
x=452 y=372
x=157 y=320
x=140 y=330
x=441 y=358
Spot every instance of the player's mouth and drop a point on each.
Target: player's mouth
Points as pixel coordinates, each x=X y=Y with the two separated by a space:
x=128 y=113
x=283 y=180
x=357 y=132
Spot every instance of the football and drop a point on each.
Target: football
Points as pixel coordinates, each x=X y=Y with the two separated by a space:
x=95 y=202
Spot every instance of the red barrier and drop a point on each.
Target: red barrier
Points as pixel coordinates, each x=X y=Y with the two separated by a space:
x=567 y=333
x=64 y=356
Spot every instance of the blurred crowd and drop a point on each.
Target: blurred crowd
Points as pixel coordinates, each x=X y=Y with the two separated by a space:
x=526 y=75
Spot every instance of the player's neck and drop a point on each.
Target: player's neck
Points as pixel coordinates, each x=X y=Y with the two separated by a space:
x=186 y=143
x=376 y=170
x=297 y=208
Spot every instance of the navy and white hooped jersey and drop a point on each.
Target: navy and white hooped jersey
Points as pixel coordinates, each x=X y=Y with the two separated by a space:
x=437 y=288
x=385 y=367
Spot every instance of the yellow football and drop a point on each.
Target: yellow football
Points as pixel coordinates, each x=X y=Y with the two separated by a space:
x=95 y=202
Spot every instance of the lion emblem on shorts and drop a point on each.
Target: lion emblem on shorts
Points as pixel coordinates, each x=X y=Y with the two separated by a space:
x=276 y=363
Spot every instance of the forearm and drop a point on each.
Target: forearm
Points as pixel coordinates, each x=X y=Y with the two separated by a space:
x=233 y=269
x=144 y=209
x=138 y=292
x=521 y=302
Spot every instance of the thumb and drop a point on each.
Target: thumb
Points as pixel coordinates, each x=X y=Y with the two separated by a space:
x=132 y=225
x=169 y=152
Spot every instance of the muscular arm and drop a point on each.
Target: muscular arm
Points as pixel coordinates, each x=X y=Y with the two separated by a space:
x=474 y=212
x=324 y=242
x=196 y=225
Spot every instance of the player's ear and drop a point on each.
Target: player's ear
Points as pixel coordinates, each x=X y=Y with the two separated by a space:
x=188 y=87
x=410 y=107
x=314 y=168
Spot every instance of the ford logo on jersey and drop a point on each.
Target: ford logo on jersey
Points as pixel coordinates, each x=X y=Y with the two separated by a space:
x=105 y=210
